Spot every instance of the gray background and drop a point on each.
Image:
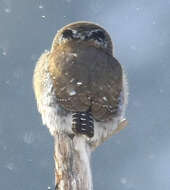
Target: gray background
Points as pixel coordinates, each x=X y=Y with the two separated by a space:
x=137 y=158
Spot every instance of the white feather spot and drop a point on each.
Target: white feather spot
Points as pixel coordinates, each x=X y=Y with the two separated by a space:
x=72 y=80
x=73 y=54
x=79 y=83
x=104 y=98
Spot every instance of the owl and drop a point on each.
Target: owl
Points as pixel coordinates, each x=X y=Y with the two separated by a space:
x=80 y=87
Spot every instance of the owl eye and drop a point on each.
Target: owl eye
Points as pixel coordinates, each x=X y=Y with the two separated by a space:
x=67 y=34
x=98 y=35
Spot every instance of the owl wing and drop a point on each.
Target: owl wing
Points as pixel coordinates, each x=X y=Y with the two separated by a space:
x=87 y=78
x=107 y=85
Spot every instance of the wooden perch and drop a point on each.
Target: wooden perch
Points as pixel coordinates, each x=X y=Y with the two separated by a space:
x=72 y=160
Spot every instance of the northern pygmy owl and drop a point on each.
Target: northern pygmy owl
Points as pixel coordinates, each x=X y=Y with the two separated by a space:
x=79 y=86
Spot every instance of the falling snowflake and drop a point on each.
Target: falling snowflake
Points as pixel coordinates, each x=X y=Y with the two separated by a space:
x=154 y=22
x=133 y=47
x=43 y=17
x=68 y=1
x=28 y=138
x=40 y=6
x=151 y=156
x=123 y=180
x=4 y=52
x=7 y=10
x=10 y=166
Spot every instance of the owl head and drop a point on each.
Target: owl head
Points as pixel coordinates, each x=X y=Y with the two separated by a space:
x=85 y=32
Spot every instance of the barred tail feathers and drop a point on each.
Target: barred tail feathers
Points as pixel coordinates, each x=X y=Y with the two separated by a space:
x=83 y=123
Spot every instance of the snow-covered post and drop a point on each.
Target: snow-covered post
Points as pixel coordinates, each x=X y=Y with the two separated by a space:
x=72 y=159
x=72 y=163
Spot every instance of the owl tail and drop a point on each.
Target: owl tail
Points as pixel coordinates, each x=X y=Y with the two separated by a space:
x=83 y=123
